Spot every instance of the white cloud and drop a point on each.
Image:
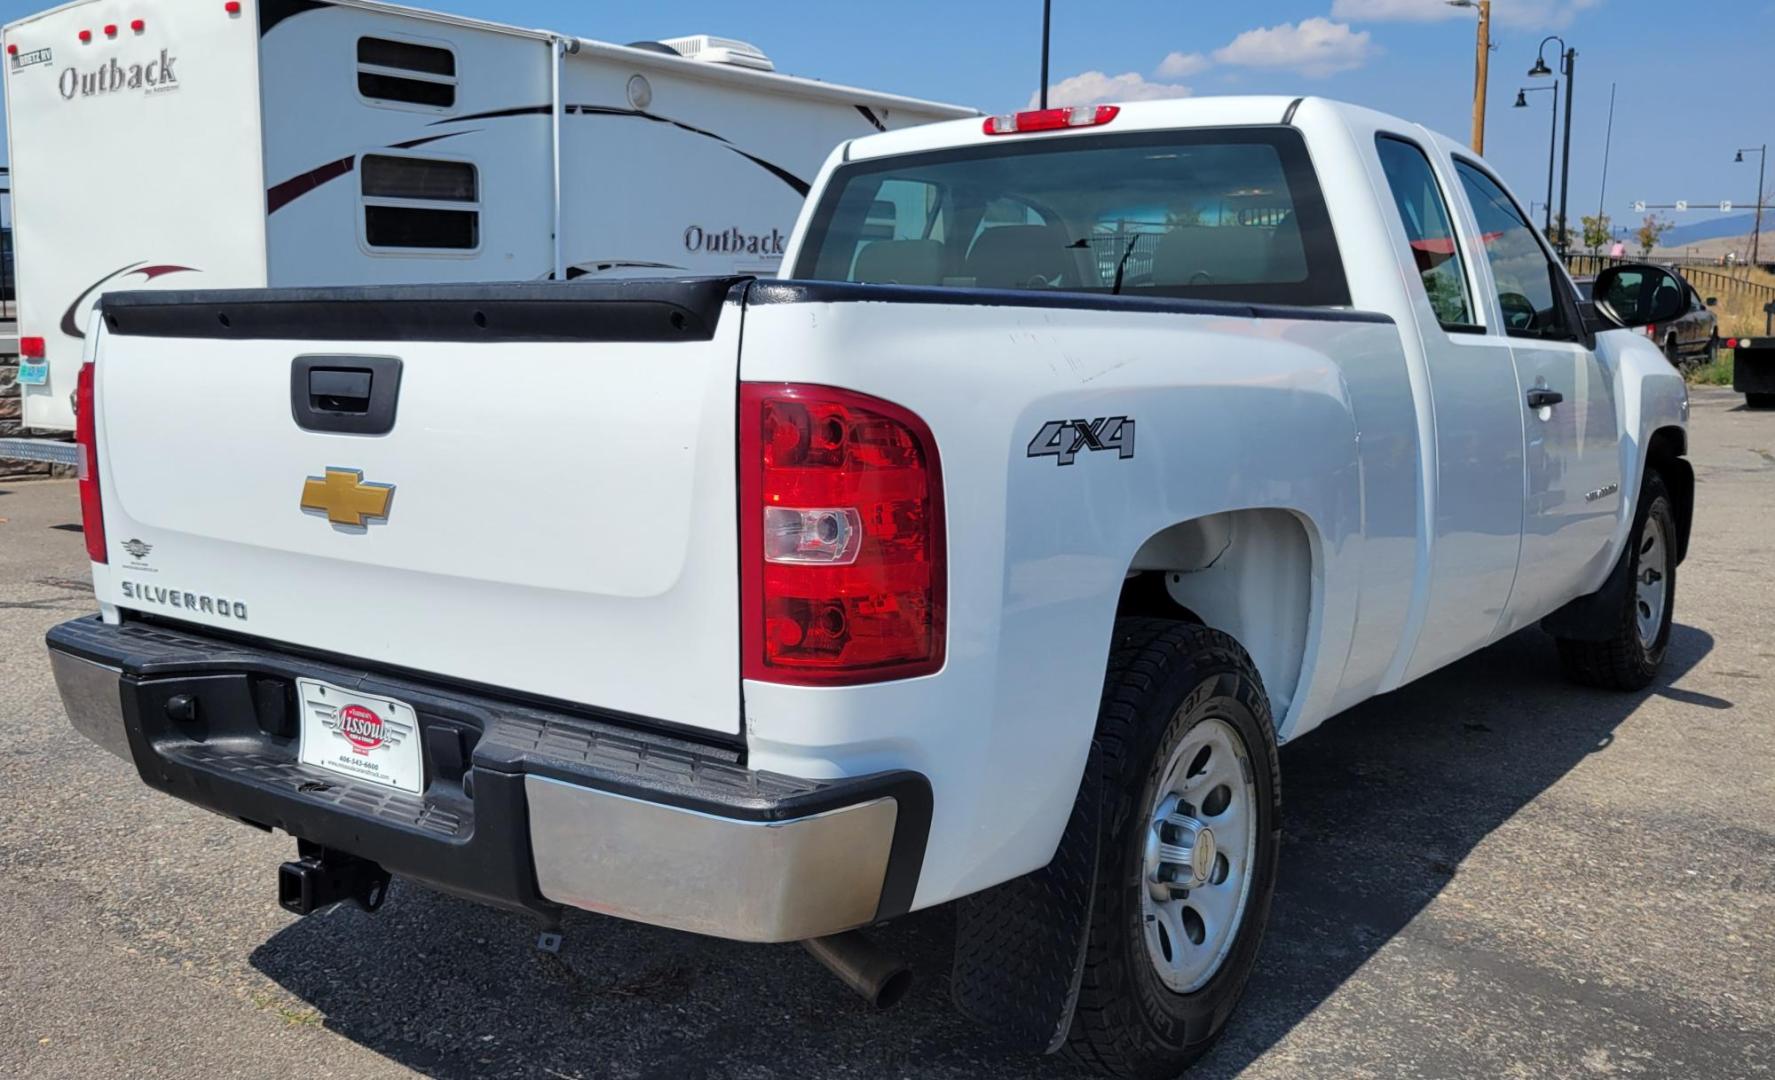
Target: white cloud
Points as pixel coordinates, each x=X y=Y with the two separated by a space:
x=1094 y=87
x=1522 y=14
x=1180 y=65
x=1314 y=47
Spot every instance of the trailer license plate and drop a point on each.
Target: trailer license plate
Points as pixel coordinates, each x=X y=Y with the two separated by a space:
x=373 y=739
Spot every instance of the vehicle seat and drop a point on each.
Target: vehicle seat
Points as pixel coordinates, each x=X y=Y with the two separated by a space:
x=1216 y=255
x=900 y=262
x=1020 y=256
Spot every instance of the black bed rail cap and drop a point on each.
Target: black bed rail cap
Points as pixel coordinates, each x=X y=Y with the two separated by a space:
x=632 y=309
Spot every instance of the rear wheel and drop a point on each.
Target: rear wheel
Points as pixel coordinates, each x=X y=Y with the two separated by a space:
x=1629 y=658
x=1713 y=349
x=1188 y=860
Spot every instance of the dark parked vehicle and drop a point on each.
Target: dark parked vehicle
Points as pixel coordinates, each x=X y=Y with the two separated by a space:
x=1690 y=339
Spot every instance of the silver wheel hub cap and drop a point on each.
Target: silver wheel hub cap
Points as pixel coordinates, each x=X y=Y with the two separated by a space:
x=1200 y=845
x=1651 y=589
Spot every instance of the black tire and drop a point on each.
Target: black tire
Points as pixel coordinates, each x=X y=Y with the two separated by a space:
x=1760 y=401
x=1623 y=661
x=1164 y=678
x=1672 y=353
x=1712 y=355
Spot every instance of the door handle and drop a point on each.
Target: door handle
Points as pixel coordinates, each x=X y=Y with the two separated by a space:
x=1541 y=397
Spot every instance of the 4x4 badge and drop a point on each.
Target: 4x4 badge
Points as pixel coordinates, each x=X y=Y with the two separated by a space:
x=1063 y=439
x=346 y=500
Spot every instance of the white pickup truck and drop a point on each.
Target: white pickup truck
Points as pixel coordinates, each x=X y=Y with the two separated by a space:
x=1079 y=458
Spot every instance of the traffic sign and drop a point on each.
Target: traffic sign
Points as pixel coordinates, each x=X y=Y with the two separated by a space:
x=1681 y=205
x=1639 y=206
x=1725 y=206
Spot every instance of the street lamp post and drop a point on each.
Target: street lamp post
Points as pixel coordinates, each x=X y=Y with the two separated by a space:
x=1552 y=134
x=1568 y=62
x=1756 y=235
x=1481 y=67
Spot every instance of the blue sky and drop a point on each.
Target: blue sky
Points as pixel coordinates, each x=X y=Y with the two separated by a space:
x=1693 y=81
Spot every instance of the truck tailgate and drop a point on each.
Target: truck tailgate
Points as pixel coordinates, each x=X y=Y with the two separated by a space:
x=561 y=457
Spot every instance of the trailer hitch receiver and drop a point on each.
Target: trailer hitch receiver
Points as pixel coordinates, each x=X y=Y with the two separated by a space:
x=321 y=877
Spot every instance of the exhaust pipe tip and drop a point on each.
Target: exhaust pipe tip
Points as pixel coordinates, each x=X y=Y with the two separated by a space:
x=881 y=979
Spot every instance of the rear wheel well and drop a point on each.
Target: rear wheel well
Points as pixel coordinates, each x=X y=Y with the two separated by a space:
x=1248 y=573
x=1664 y=453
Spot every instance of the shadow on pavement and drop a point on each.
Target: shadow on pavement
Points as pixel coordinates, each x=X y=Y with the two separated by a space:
x=1380 y=808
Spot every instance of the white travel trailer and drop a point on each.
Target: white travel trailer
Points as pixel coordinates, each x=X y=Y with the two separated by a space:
x=244 y=143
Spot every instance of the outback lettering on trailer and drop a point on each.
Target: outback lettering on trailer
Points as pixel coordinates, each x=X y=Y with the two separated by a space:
x=153 y=77
x=734 y=241
x=1063 y=439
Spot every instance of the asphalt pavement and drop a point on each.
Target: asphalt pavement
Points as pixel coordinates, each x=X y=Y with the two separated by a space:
x=1488 y=873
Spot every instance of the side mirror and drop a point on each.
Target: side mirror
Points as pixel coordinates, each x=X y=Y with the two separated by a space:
x=1639 y=294
x=1713 y=301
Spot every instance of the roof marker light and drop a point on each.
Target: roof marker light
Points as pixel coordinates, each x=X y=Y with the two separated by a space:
x=110 y=29
x=12 y=50
x=1020 y=123
x=232 y=7
x=137 y=25
x=85 y=36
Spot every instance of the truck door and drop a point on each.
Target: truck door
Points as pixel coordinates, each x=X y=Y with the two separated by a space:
x=1478 y=425
x=1572 y=464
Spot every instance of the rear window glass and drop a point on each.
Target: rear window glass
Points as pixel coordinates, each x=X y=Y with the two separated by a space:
x=1225 y=214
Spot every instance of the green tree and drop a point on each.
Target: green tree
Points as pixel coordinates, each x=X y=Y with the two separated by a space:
x=1650 y=231
x=1596 y=230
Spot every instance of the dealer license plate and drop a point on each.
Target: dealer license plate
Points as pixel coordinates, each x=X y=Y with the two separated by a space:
x=373 y=739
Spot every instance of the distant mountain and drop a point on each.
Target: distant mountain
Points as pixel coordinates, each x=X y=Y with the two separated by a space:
x=1731 y=225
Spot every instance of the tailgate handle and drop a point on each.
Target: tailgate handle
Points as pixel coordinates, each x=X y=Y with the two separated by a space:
x=334 y=390
x=350 y=395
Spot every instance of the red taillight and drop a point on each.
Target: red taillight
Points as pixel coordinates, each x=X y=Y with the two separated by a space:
x=32 y=348
x=841 y=538
x=12 y=50
x=86 y=436
x=1050 y=119
x=1731 y=343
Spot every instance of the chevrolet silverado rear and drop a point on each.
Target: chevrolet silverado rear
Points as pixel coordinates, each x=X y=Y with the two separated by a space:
x=1080 y=459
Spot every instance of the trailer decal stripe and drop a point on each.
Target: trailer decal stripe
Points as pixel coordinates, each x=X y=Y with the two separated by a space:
x=869 y=115
x=71 y=325
x=801 y=186
x=280 y=195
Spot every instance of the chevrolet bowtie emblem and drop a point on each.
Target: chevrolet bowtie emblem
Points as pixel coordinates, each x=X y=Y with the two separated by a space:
x=343 y=496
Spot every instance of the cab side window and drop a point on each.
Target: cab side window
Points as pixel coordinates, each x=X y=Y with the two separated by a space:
x=1434 y=246
x=1530 y=287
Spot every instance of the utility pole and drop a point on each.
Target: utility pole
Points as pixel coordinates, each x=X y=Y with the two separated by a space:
x=1047 y=20
x=1608 y=141
x=1481 y=65
x=1565 y=163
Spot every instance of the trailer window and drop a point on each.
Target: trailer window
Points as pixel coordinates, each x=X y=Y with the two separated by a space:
x=1217 y=213
x=401 y=71
x=414 y=202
